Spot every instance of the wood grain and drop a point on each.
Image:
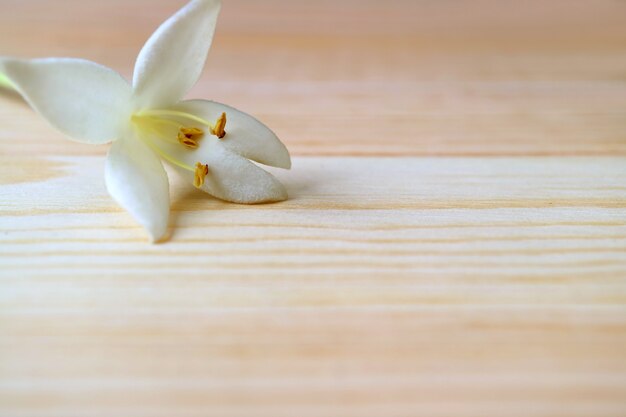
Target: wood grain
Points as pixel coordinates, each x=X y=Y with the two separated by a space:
x=454 y=243
x=443 y=78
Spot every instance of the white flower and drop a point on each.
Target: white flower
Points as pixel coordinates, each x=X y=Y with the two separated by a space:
x=208 y=142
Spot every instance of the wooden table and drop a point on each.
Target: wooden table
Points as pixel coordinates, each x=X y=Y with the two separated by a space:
x=454 y=244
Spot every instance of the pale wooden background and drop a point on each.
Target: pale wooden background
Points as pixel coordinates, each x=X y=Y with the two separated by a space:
x=454 y=245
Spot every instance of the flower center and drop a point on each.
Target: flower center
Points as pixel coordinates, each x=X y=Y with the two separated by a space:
x=189 y=136
x=180 y=128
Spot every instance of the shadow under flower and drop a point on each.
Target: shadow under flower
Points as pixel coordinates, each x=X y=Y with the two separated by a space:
x=11 y=95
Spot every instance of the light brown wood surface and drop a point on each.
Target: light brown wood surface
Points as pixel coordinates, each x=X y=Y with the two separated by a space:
x=454 y=244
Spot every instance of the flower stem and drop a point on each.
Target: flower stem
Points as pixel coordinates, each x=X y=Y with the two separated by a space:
x=156 y=132
x=165 y=156
x=6 y=83
x=174 y=113
x=165 y=122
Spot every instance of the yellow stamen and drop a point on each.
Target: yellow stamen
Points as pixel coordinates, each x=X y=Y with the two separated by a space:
x=200 y=174
x=220 y=124
x=189 y=136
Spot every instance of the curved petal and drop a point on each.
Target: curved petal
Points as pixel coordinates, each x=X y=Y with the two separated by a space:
x=234 y=178
x=84 y=100
x=245 y=135
x=136 y=179
x=172 y=59
x=231 y=177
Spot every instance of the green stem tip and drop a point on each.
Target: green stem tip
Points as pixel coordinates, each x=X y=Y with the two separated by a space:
x=5 y=82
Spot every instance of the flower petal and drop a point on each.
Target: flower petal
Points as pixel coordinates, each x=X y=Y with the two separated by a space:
x=231 y=177
x=172 y=59
x=84 y=100
x=234 y=178
x=245 y=135
x=136 y=179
